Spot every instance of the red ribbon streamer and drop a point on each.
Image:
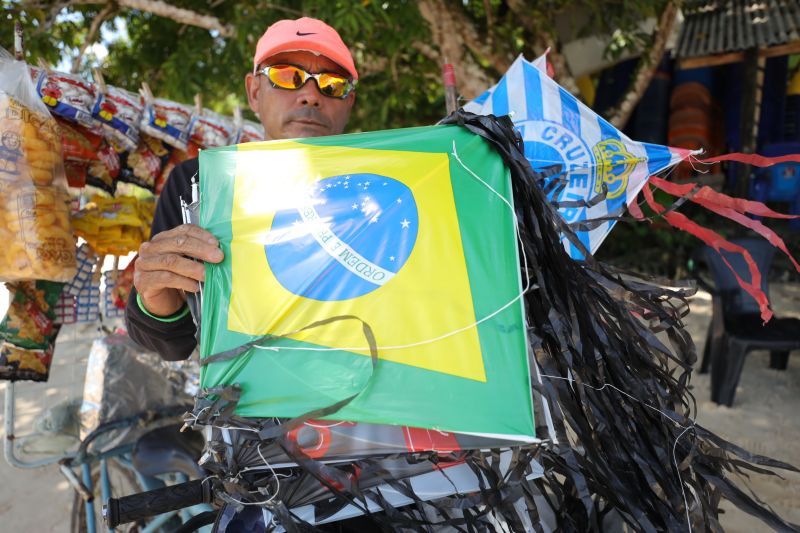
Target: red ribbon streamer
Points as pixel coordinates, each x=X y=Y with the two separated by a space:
x=718 y=242
x=753 y=159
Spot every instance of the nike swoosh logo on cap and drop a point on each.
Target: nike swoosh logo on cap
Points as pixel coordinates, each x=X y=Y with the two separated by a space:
x=301 y=34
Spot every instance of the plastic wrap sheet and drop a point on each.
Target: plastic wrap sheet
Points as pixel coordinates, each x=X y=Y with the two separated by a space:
x=122 y=381
x=34 y=217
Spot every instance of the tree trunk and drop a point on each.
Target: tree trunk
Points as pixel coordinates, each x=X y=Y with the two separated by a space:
x=545 y=40
x=453 y=35
x=646 y=69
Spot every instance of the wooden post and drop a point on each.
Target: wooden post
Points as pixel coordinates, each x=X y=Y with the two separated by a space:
x=748 y=119
x=450 y=91
x=19 y=43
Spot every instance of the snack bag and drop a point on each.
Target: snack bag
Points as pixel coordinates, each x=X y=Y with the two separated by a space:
x=67 y=96
x=103 y=172
x=176 y=157
x=169 y=121
x=123 y=285
x=142 y=167
x=115 y=226
x=81 y=150
x=120 y=113
x=210 y=130
x=34 y=209
x=249 y=132
x=28 y=332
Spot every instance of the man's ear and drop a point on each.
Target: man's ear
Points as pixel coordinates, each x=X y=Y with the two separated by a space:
x=252 y=86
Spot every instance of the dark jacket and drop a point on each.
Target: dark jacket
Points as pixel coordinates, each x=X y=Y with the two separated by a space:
x=172 y=340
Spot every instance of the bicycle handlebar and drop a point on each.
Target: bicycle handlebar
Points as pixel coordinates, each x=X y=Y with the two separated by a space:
x=146 y=504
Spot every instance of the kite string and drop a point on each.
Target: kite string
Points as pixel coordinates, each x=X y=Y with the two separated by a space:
x=662 y=413
x=475 y=324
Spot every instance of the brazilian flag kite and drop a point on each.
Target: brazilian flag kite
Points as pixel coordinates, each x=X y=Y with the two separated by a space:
x=410 y=231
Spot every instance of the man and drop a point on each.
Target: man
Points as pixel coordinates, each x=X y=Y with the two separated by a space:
x=302 y=85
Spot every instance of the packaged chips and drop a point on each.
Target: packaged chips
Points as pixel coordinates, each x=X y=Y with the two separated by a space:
x=34 y=216
x=249 y=132
x=169 y=121
x=115 y=226
x=28 y=332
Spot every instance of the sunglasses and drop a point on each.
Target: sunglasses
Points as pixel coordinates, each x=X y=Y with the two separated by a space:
x=292 y=77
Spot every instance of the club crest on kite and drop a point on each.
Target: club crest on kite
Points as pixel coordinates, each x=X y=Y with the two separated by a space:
x=614 y=165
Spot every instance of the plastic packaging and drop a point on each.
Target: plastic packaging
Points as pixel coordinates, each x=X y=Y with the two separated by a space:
x=122 y=381
x=249 y=132
x=143 y=166
x=210 y=130
x=176 y=157
x=28 y=331
x=115 y=226
x=169 y=121
x=33 y=198
x=120 y=113
x=67 y=96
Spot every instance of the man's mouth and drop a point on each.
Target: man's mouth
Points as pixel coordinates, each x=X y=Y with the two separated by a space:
x=308 y=122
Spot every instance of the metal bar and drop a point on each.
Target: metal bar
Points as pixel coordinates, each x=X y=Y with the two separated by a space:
x=8 y=429
x=88 y=505
x=105 y=484
x=76 y=483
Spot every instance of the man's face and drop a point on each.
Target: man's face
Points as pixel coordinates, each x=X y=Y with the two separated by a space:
x=304 y=112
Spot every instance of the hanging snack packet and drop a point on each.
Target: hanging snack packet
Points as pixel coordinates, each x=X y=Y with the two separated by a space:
x=34 y=211
x=142 y=167
x=120 y=113
x=103 y=172
x=67 y=96
x=115 y=226
x=249 y=132
x=176 y=157
x=210 y=130
x=28 y=332
x=169 y=121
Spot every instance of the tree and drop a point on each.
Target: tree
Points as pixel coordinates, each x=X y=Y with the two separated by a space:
x=184 y=47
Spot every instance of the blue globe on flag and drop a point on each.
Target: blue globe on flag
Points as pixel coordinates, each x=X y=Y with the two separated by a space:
x=350 y=237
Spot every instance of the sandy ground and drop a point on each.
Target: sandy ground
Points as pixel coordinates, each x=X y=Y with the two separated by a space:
x=765 y=419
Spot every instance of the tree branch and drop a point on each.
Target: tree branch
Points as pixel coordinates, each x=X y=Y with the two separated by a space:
x=451 y=32
x=165 y=10
x=648 y=64
x=94 y=29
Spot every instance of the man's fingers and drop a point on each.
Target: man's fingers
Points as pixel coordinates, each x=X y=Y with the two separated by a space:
x=188 y=230
x=174 y=263
x=182 y=243
x=163 y=279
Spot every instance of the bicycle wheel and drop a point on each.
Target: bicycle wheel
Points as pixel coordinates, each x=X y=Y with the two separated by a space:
x=122 y=481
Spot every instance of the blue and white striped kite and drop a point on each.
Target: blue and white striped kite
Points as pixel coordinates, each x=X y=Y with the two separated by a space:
x=573 y=145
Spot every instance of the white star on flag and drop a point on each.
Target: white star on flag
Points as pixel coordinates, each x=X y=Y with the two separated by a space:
x=405 y=223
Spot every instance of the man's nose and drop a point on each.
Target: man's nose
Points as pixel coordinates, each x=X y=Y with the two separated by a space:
x=309 y=94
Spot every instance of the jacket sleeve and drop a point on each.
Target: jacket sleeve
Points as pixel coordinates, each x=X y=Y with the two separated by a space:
x=173 y=341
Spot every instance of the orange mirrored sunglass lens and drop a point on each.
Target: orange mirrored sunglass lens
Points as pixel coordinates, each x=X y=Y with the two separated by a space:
x=291 y=77
x=287 y=77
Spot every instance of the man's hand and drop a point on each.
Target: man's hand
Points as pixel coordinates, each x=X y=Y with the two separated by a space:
x=165 y=267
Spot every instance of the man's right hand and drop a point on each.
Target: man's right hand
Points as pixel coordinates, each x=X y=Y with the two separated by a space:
x=165 y=267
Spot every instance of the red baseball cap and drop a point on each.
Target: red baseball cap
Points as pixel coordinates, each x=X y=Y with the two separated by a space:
x=305 y=34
